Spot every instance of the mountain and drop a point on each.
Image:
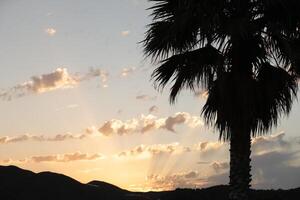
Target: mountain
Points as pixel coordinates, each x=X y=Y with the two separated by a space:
x=20 y=184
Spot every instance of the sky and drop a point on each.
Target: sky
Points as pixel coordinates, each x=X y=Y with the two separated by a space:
x=76 y=98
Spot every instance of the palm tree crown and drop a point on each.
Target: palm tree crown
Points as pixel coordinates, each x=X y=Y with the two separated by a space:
x=245 y=53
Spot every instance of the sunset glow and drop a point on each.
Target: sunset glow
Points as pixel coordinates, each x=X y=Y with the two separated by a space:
x=77 y=98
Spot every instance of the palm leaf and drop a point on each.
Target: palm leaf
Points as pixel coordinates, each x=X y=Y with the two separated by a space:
x=190 y=69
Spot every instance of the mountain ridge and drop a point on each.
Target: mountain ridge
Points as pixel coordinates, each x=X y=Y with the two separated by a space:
x=19 y=184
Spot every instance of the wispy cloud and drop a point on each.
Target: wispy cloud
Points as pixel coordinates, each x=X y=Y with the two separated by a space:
x=152 y=150
x=145 y=97
x=67 y=157
x=93 y=73
x=41 y=138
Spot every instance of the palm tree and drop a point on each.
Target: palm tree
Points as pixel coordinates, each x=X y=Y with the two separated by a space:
x=244 y=53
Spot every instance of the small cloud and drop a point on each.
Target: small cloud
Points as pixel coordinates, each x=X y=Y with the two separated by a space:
x=145 y=97
x=153 y=109
x=201 y=94
x=152 y=150
x=91 y=130
x=209 y=147
x=219 y=166
x=125 y=33
x=127 y=71
x=93 y=73
x=50 y=31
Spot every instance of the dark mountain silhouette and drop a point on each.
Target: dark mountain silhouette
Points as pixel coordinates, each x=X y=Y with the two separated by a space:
x=20 y=184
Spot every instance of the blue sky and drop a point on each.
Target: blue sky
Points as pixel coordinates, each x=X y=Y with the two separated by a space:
x=70 y=68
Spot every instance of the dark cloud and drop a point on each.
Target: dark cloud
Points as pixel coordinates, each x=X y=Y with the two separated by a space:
x=220 y=166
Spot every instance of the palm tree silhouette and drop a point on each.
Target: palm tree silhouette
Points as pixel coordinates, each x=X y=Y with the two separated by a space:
x=244 y=53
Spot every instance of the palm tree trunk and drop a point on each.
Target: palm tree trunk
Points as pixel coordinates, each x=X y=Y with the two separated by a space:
x=240 y=177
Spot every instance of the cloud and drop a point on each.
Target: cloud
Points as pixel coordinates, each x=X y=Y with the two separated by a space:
x=189 y=179
x=41 y=138
x=68 y=157
x=58 y=79
x=93 y=73
x=153 y=109
x=50 y=31
x=119 y=127
x=152 y=150
x=148 y=123
x=114 y=127
x=281 y=174
x=171 y=121
x=269 y=143
x=145 y=97
x=209 y=147
x=201 y=94
x=220 y=166
x=275 y=161
x=127 y=71
x=91 y=130
x=125 y=33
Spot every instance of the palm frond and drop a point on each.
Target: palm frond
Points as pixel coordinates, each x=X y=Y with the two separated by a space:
x=194 y=68
x=277 y=90
x=181 y=25
x=282 y=15
x=164 y=37
x=252 y=104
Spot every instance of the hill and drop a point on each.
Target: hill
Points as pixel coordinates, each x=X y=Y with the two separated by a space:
x=19 y=184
